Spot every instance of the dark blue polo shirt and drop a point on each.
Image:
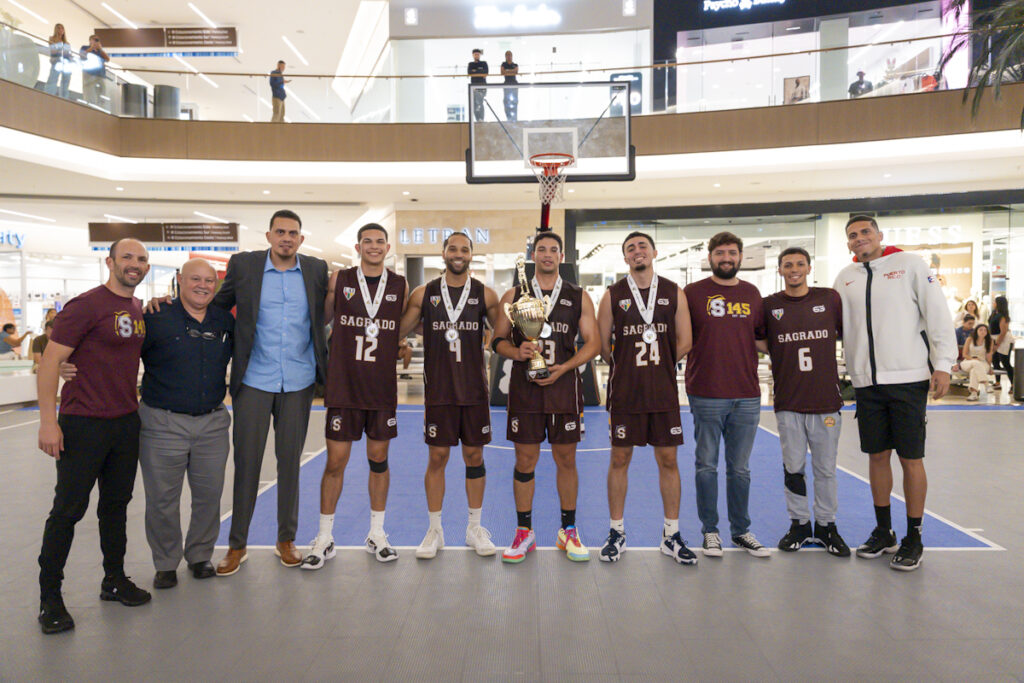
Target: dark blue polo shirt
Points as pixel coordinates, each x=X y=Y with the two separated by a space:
x=185 y=360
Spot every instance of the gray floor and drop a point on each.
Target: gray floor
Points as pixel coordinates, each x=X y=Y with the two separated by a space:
x=794 y=617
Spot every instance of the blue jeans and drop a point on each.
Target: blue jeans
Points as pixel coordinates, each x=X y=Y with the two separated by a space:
x=736 y=421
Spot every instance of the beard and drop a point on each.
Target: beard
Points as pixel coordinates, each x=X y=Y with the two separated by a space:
x=455 y=270
x=121 y=277
x=640 y=267
x=724 y=271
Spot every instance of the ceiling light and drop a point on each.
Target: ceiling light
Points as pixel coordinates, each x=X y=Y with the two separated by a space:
x=120 y=16
x=312 y=248
x=793 y=28
x=301 y=103
x=307 y=233
x=120 y=219
x=629 y=8
x=243 y=227
x=266 y=191
x=29 y=215
x=264 y=102
x=412 y=16
x=119 y=189
x=195 y=71
x=29 y=12
x=571 y=190
x=212 y=218
x=405 y=193
x=718 y=184
x=340 y=265
x=887 y=175
x=295 y=50
x=209 y=22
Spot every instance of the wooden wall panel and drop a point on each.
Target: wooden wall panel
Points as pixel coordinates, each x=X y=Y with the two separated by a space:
x=35 y=112
x=154 y=138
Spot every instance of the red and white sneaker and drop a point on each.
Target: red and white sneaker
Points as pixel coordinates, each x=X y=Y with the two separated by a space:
x=525 y=541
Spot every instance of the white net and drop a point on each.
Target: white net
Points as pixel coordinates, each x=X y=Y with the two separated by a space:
x=550 y=177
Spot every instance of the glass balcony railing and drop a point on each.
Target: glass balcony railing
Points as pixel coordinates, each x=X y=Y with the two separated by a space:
x=778 y=66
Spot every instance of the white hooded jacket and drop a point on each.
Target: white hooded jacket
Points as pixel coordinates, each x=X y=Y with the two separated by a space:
x=896 y=323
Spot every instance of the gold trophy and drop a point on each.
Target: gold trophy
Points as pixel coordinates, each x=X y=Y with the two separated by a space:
x=528 y=314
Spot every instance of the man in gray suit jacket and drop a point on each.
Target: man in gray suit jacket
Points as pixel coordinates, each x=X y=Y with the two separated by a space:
x=280 y=352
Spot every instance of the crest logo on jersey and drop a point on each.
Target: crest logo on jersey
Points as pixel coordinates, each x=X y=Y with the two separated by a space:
x=349 y=292
x=570 y=426
x=663 y=302
x=391 y=297
x=718 y=307
x=830 y=421
x=777 y=313
x=565 y=302
x=123 y=324
x=624 y=304
x=392 y=421
x=818 y=309
x=620 y=431
x=932 y=278
x=435 y=300
x=514 y=424
x=676 y=430
x=472 y=302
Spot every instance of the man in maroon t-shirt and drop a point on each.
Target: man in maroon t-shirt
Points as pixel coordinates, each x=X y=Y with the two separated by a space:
x=802 y=325
x=723 y=391
x=96 y=436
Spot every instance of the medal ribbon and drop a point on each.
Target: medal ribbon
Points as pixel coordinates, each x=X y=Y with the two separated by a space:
x=646 y=311
x=454 y=313
x=372 y=306
x=554 y=294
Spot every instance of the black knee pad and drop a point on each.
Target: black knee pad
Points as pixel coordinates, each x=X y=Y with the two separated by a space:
x=522 y=476
x=378 y=467
x=795 y=482
x=476 y=471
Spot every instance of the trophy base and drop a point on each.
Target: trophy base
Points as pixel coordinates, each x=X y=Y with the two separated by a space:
x=539 y=373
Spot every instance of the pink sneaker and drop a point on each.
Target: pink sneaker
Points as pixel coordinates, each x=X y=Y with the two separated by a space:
x=525 y=541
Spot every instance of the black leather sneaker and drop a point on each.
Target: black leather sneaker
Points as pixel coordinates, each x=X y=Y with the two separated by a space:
x=908 y=557
x=165 y=579
x=828 y=536
x=121 y=589
x=880 y=541
x=797 y=536
x=53 y=616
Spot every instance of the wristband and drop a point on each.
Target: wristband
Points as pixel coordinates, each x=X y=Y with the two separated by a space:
x=495 y=342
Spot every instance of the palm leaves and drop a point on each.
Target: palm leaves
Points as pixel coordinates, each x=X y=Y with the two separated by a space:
x=997 y=41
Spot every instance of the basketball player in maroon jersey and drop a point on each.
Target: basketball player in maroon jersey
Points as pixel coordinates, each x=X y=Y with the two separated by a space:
x=365 y=304
x=644 y=324
x=802 y=326
x=453 y=311
x=551 y=406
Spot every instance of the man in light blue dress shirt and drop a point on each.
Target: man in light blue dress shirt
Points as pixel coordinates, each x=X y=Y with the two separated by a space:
x=280 y=352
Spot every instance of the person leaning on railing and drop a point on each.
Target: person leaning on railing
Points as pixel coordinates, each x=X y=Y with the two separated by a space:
x=94 y=70
x=60 y=62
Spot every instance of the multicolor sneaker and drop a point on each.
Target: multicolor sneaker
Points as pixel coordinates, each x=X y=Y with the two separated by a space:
x=614 y=546
x=479 y=539
x=569 y=541
x=525 y=541
x=675 y=547
x=320 y=550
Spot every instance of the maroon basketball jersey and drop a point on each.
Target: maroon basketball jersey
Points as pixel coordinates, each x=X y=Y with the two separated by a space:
x=454 y=371
x=801 y=335
x=361 y=371
x=565 y=395
x=643 y=375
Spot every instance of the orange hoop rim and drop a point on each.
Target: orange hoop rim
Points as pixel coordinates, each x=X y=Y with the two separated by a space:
x=551 y=162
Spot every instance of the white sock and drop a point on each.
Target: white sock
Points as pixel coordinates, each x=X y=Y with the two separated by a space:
x=619 y=525
x=376 y=521
x=435 y=519
x=326 y=525
x=474 y=516
x=671 y=526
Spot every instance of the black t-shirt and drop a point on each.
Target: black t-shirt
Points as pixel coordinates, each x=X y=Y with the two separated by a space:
x=510 y=65
x=476 y=67
x=858 y=88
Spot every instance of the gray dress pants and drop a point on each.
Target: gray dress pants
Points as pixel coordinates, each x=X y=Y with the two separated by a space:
x=171 y=446
x=253 y=409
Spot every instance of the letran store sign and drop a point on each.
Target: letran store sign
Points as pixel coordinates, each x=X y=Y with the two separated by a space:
x=719 y=5
x=439 y=235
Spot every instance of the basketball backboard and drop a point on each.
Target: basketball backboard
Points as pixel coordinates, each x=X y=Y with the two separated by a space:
x=508 y=123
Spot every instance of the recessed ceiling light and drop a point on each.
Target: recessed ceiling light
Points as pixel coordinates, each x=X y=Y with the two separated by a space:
x=571 y=190
x=294 y=49
x=793 y=28
x=266 y=191
x=718 y=184
x=312 y=248
x=29 y=215
x=243 y=227
x=30 y=12
x=119 y=189
x=887 y=175
x=208 y=20
x=405 y=193
x=120 y=219
x=120 y=16
x=412 y=16
x=212 y=218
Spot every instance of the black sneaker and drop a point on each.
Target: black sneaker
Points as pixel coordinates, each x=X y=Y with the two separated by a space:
x=880 y=541
x=798 y=535
x=613 y=546
x=828 y=536
x=908 y=557
x=675 y=547
x=165 y=579
x=751 y=545
x=53 y=616
x=121 y=589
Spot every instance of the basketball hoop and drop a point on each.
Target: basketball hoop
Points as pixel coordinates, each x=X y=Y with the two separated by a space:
x=548 y=166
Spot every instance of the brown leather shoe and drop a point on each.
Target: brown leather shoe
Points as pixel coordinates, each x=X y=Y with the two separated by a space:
x=290 y=557
x=232 y=561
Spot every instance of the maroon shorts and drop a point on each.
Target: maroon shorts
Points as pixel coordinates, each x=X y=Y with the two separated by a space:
x=532 y=427
x=348 y=424
x=447 y=425
x=646 y=429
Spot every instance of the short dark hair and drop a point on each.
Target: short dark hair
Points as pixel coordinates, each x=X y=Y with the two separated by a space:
x=368 y=227
x=48 y=324
x=285 y=213
x=969 y=317
x=281 y=61
x=9 y=327
x=476 y=49
x=859 y=218
x=115 y=243
x=444 y=245
x=549 y=235
x=637 y=233
x=724 y=238
x=789 y=251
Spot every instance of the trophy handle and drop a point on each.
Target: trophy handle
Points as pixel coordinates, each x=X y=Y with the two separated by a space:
x=508 y=311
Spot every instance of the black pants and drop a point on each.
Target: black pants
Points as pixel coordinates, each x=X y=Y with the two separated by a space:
x=95 y=449
x=1001 y=361
x=478 y=103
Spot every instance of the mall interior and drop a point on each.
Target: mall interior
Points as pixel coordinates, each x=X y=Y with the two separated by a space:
x=776 y=120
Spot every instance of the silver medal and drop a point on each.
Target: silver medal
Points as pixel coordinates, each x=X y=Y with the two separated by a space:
x=451 y=334
x=545 y=331
x=650 y=336
x=372 y=330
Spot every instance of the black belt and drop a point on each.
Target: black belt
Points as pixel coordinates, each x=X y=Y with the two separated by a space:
x=195 y=414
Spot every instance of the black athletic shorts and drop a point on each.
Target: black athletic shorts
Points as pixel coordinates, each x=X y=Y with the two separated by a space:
x=348 y=424
x=642 y=429
x=528 y=428
x=893 y=416
x=447 y=425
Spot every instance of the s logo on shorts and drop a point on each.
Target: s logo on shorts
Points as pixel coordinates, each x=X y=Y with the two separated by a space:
x=515 y=425
x=620 y=431
x=336 y=423
x=431 y=430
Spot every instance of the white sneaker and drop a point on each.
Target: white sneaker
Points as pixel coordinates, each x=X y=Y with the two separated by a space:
x=320 y=550
x=432 y=542
x=378 y=545
x=479 y=539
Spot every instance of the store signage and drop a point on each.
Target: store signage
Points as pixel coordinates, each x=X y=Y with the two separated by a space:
x=168 y=233
x=224 y=36
x=520 y=16
x=439 y=235
x=936 y=234
x=12 y=239
x=189 y=37
x=742 y=5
